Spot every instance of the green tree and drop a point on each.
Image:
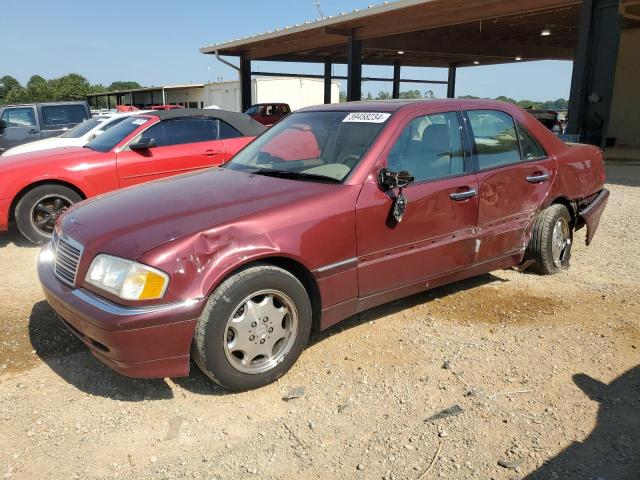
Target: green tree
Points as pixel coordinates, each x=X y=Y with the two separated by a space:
x=343 y=97
x=7 y=83
x=369 y=96
x=124 y=86
x=70 y=87
x=411 y=94
x=383 y=96
x=38 y=89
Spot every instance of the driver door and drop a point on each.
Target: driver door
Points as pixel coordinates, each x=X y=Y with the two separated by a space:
x=437 y=233
x=182 y=145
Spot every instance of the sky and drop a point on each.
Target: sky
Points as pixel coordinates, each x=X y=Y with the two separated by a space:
x=156 y=43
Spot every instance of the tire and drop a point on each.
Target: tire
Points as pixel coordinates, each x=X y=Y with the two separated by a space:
x=547 y=260
x=239 y=317
x=30 y=210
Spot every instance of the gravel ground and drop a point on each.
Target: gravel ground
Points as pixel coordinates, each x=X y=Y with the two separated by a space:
x=504 y=376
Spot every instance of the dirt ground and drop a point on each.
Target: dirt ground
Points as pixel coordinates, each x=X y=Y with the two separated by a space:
x=504 y=376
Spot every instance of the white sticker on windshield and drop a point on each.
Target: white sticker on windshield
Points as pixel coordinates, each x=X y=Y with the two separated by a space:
x=140 y=121
x=367 y=117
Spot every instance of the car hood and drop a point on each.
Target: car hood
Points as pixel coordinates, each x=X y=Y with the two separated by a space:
x=44 y=144
x=30 y=159
x=134 y=220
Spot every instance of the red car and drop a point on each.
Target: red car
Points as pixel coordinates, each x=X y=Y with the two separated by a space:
x=334 y=210
x=35 y=188
x=268 y=113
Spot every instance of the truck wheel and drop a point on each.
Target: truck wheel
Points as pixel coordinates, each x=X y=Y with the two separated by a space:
x=253 y=328
x=551 y=240
x=37 y=210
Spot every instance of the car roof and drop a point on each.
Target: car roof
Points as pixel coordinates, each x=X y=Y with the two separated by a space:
x=70 y=102
x=241 y=122
x=404 y=104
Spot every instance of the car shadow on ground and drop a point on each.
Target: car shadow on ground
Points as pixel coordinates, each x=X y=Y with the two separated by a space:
x=70 y=359
x=621 y=173
x=403 y=304
x=612 y=450
x=14 y=237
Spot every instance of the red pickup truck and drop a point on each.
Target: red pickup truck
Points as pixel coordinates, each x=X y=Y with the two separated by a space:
x=334 y=210
x=35 y=188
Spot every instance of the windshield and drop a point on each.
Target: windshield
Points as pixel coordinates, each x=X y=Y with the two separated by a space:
x=113 y=136
x=84 y=127
x=312 y=145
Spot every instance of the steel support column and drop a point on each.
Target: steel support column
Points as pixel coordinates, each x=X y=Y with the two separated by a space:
x=396 y=79
x=451 y=81
x=354 y=70
x=327 y=82
x=594 y=71
x=245 y=83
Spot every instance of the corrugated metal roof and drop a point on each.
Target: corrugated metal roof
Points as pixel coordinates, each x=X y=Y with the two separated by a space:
x=329 y=21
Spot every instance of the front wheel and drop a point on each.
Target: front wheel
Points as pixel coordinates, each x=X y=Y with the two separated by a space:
x=37 y=210
x=551 y=240
x=253 y=328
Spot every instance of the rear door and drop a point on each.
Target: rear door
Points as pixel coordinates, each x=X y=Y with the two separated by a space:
x=57 y=119
x=436 y=235
x=20 y=125
x=514 y=175
x=182 y=145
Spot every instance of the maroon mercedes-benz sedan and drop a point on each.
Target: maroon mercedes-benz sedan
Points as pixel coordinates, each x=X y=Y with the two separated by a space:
x=336 y=209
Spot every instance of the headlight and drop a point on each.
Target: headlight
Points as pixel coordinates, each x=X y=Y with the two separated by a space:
x=127 y=279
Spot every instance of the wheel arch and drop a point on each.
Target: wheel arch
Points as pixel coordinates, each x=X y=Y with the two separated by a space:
x=39 y=183
x=571 y=206
x=295 y=268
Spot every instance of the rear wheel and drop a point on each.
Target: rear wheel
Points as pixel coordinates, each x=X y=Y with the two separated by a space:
x=253 y=329
x=37 y=210
x=551 y=240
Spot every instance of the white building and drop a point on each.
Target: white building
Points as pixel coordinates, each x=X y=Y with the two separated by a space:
x=297 y=92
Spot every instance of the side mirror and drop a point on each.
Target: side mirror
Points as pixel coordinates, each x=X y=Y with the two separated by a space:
x=389 y=180
x=143 y=144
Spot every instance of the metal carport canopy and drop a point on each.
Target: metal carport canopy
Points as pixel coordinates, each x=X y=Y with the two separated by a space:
x=434 y=33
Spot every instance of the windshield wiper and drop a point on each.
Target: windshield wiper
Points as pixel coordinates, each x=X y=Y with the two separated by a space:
x=269 y=172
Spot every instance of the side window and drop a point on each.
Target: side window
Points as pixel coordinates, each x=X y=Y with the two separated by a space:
x=252 y=111
x=227 y=131
x=429 y=147
x=183 y=130
x=58 y=116
x=529 y=146
x=496 y=138
x=19 y=117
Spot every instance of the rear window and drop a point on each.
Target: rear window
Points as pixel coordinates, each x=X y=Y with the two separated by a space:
x=60 y=116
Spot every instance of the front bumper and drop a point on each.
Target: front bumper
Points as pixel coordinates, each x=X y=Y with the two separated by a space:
x=591 y=214
x=145 y=342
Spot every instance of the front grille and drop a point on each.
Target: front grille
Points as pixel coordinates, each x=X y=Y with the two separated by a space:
x=66 y=258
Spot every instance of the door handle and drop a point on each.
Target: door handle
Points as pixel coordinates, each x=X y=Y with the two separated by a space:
x=212 y=152
x=467 y=194
x=539 y=178
x=33 y=131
